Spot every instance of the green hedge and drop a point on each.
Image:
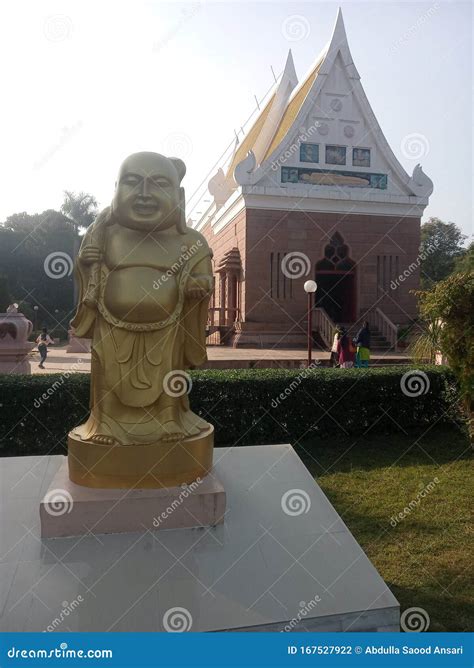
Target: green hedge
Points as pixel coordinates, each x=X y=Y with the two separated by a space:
x=245 y=406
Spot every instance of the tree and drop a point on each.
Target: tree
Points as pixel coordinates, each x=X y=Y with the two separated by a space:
x=448 y=311
x=5 y=299
x=79 y=208
x=466 y=261
x=81 y=211
x=441 y=245
x=36 y=254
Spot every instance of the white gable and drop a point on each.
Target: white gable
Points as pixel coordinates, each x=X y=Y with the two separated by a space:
x=335 y=118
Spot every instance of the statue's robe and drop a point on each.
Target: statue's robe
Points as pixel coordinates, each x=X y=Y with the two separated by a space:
x=138 y=367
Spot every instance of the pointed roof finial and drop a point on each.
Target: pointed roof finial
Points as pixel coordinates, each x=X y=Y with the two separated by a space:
x=289 y=70
x=339 y=43
x=339 y=32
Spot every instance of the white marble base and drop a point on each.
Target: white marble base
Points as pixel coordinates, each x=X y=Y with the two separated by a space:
x=68 y=509
x=261 y=570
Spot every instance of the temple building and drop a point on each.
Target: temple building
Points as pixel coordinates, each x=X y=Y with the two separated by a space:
x=314 y=191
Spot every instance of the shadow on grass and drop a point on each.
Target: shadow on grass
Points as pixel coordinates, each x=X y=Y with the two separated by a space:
x=446 y=613
x=375 y=451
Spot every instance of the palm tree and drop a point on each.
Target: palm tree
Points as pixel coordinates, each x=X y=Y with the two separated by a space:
x=424 y=348
x=79 y=208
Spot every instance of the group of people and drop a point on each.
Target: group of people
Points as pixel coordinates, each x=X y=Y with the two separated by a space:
x=347 y=353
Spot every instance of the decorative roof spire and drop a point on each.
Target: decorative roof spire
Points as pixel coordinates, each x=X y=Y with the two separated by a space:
x=287 y=84
x=338 y=42
x=289 y=73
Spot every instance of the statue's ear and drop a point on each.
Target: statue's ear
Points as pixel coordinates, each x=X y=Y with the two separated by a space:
x=182 y=227
x=180 y=167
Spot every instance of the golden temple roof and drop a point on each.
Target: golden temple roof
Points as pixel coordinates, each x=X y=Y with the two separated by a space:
x=281 y=111
x=291 y=112
x=250 y=138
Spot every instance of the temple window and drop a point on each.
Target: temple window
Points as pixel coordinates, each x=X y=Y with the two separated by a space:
x=361 y=157
x=388 y=270
x=336 y=256
x=335 y=155
x=309 y=152
x=281 y=287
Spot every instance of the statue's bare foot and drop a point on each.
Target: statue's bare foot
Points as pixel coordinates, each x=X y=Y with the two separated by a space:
x=173 y=432
x=193 y=424
x=101 y=439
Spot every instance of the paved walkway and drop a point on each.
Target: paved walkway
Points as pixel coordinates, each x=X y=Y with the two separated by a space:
x=220 y=357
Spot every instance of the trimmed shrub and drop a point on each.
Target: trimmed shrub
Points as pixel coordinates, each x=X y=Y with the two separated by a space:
x=245 y=406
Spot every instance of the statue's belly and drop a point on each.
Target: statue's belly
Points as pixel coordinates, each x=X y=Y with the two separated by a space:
x=140 y=294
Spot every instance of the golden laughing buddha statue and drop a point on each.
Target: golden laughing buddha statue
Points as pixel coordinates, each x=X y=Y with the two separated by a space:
x=145 y=282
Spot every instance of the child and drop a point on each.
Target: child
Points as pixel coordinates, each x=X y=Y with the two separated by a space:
x=43 y=341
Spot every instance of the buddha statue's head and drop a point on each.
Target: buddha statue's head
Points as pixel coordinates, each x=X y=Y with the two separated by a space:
x=148 y=195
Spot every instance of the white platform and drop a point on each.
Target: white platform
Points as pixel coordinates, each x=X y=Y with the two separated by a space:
x=255 y=572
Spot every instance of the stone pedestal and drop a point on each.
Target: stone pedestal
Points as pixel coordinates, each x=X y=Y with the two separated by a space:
x=14 y=345
x=77 y=344
x=68 y=509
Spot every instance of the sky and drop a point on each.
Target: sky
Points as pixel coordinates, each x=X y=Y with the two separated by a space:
x=85 y=83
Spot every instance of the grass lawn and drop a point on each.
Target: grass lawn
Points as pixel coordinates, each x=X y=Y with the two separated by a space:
x=426 y=558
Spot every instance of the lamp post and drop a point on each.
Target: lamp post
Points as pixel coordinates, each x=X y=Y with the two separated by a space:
x=35 y=309
x=310 y=288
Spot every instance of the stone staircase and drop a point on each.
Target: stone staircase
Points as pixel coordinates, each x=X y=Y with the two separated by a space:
x=273 y=335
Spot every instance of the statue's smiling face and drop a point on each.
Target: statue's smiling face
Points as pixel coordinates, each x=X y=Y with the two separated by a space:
x=147 y=194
